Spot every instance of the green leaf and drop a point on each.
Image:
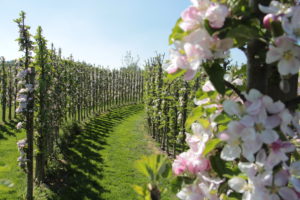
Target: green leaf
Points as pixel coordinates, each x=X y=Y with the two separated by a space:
x=242 y=33
x=176 y=184
x=211 y=145
x=276 y=28
x=204 y=122
x=223 y=168
x=208 y=28
x=178 y=181
x=195 y=114
x=216 y=74
x=153 y=167
x=177 y=33
x=142 y=192
x=179 y=73
x=222 y=127
x=222 y=119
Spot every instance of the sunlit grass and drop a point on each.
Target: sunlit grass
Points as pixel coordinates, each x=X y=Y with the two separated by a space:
x=100 y=160
x=9 y=169
x=98 y=163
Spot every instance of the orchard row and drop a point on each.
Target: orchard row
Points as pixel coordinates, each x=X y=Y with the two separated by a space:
x=48 y=91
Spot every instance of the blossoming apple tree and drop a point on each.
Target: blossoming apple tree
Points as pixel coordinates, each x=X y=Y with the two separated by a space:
x=244 y=141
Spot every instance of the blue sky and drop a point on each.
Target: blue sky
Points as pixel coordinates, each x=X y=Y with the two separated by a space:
x=96 y=31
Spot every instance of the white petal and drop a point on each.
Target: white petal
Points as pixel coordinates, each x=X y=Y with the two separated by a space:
x=249 y=155
x=253 y=95
x=261 y=157
x=247 y=121
x=234 y=128
x=272 y=121
x=287 y=194
x=295 y=68
x=269 y=136
x=267 y=9
x=276 y=107
x=274 y=54
x=189 y=75
x=254 y=108
x=237 y=184
x=230 y=152
x=248 y=134
x=248 y=168
x=281 y=178
x=296 y=183
x=208 y=86
x=248 y=196
x=197 y=128
x=274 y=197
x=284 y=67
x=287 y=26
x=231 y=107
x=286 y=116
x=267 y=100
x=201 y=102
x=295 y=168
x=250 y=148
x=285 y=43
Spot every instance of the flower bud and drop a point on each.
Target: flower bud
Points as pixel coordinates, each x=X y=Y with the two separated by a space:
x=268 y=19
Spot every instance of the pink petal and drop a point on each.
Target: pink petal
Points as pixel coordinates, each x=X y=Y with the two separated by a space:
x=276 y=107
x=189 y=75
x=272 y=121
x=281 y=178
x=274 y=54
x=296 y=183
x=284 y=43
x=284 y=67
x=288 y=194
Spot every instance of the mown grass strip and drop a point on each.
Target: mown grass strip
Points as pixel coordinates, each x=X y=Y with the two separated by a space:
x=100 y=160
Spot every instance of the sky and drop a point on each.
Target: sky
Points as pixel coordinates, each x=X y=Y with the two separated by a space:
x=96 y=31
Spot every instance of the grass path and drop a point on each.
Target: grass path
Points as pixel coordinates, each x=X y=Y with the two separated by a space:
x=10 y=172
x=100 y=161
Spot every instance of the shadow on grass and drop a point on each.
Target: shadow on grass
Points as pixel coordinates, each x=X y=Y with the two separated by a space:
x=8 y=129
x=83 y=166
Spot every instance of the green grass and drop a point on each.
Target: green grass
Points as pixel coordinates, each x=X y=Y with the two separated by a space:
x=9 y=169
x=98 y=165
x=100 y=160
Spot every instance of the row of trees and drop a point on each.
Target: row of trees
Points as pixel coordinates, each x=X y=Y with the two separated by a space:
x=8 y=89
x=168 y=102
x=51 y=90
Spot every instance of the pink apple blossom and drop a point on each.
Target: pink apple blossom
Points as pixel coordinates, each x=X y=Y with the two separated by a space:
x=21 y=143
x=19 y=125
x=191 y=18
x=216 y=15
x=268 y=19
x=275 y=7
x=277 y=186
x=197 y=141
x=286 y=53
x=278 y=152
x=208 y=86
x=189 y=162
x=191 y=192
x=177 y=61
x=291 y=25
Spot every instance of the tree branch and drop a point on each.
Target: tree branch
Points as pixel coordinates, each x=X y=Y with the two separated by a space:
x=236 y=90
x=292 y=102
